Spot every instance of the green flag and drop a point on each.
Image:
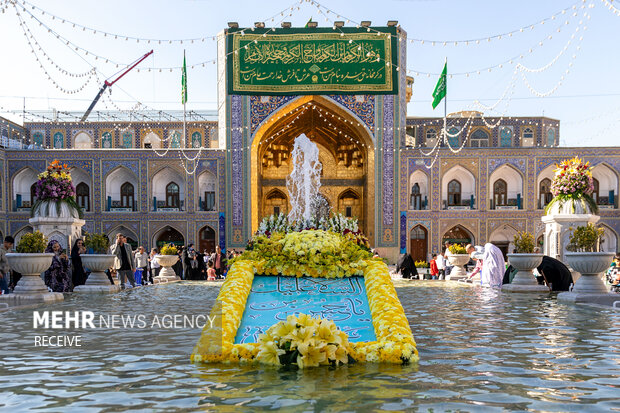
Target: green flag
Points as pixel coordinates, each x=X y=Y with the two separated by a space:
x=441 y=87
x=184 y=82
x=309 y=21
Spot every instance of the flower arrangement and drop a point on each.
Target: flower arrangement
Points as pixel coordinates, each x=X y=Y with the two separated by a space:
x=98 y=243
x=303 y=341
x=573 y=181
x=422 y=264
x=337 y=223
x=169 y=249
x=395 y=343
x=54 y=185
x=524 y=242
x=457 y=249
x=314 y=253
x=585 y=238
x=32 y=243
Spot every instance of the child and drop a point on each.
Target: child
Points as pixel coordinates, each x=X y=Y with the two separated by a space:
x=211 y=272
x=434 y=269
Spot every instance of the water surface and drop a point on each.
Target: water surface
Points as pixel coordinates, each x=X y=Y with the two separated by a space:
x=479 y=350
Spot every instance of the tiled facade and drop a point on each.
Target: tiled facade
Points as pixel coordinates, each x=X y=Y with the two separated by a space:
x=397 y=163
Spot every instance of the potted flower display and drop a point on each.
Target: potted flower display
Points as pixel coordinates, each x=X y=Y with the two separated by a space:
x=98 y=260
x=572 y=187
x=168 y=256
x=524 y=260
x=584 y=256
x=55 y=194
x=458 y=257
x=422 y=267
x=30 y=260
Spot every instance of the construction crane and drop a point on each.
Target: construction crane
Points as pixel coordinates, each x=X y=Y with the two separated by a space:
x=108 y=84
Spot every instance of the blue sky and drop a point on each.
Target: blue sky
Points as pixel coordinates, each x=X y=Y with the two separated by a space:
x=587 y=102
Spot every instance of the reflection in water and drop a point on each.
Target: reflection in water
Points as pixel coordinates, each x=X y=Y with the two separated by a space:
x=479 y=349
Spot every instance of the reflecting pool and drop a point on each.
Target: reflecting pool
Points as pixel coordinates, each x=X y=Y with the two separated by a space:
x=479 y=350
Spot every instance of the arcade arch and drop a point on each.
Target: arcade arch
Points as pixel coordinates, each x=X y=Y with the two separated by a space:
x=346 y=150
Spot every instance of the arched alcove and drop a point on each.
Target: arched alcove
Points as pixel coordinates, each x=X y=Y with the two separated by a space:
x=418 y=195
x=168 y=190
x=207 y=191
x=22 y=188
x=506 y=188
x=121 y=190
x=457 y=180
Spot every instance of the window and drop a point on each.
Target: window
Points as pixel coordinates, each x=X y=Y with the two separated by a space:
x=505 y=137
x=528 y=137
x=431 y=137
x=479 y=139
x=454 y=193
x=545 y=192
x=127 y=195
x=32 y=194
x=416 y=197
x=500 y=190
x=209 y=201
x=595 y=193
x=410 y=136
x=348 y=212
x=172 y=195
x=418 y=233
x=453 y=137
x=276 y=210
x=83 y=196
x=550 y=137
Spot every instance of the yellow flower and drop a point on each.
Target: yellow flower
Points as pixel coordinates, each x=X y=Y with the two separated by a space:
x=270 y=353
x=312 y=358
x=302 y=338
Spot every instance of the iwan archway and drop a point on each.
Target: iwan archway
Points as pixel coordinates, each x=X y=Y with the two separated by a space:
x=346 y=152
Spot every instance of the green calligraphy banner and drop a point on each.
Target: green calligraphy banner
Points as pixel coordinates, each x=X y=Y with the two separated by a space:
x=308 y=61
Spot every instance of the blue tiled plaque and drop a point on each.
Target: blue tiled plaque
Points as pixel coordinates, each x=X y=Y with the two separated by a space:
x=272 y=299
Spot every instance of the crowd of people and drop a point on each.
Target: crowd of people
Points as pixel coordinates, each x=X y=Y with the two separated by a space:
x=131 y=267
x=494 y=270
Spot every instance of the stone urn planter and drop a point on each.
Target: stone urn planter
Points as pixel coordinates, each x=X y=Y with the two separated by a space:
x=524 y=280
x=31 y=287
x=458 y=262
x=50 y=209
x=98 y=281
x=166 y=274
x=590 y=265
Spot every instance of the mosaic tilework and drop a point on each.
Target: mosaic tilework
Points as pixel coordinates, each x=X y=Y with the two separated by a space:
x=388 y=160
x=363 y=108
x=263 y=106
x=132 y=164
x=16 y=165
x=518 y=163
x=237 y=161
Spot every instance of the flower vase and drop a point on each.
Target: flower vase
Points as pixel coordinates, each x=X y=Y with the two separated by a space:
x=97 y=281
x=458 y=262
x=166 y=274
x=31 y=288
x=524 y=280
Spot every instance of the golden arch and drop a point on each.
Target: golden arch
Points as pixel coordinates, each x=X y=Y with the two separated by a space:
x=340 y=119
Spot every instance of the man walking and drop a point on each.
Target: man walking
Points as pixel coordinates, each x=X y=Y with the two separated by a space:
x=123 y=263
x=5 y=270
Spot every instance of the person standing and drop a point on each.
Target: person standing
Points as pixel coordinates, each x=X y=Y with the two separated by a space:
x=441 y=266
x=210 y=272
x=123 y=262
x=78 y=275
x=434 y=270
x=446 y=254
x=219 y=262
x=142 y=263
x=406 y=266
x=5 y=269
x=57 y=275
x=154 y=265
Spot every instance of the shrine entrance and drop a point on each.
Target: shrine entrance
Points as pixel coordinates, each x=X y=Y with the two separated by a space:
x=345 y=152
